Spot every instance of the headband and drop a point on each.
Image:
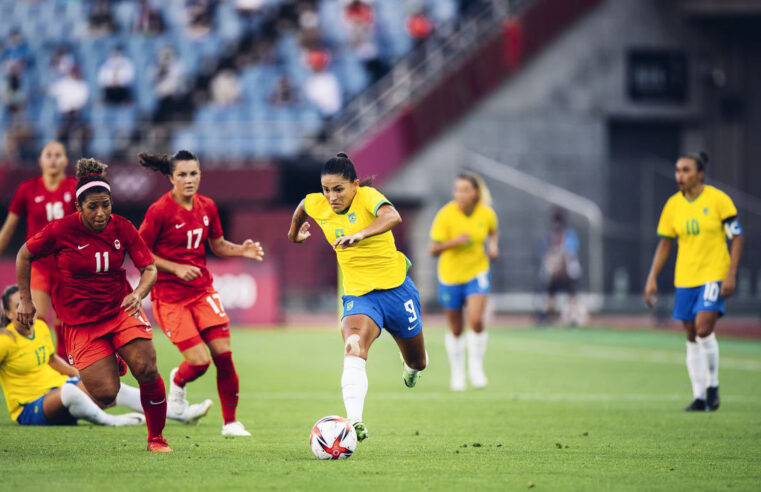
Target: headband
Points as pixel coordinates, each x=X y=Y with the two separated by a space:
x=93 y=184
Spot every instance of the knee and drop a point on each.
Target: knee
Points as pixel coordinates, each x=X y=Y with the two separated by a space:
x=200 y=358
x=418 y=365
x=104 y=395
x=354 y=346
x=477 y=324
x=145 y=370
x=703 y=330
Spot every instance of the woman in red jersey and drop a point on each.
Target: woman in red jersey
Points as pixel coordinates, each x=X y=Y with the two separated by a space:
x=43 y=200
x=99 y=310
x=185 y=304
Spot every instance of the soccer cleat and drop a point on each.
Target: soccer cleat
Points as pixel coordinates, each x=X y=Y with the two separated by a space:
x=712 y=398
x=698 y=405
x=457 y=383
x=158 y=445
x=361 y=430
x=176 y=402
x=478 y=378
x=126 y=419
x=235 y=429
x=409 y=376
x=196 y=412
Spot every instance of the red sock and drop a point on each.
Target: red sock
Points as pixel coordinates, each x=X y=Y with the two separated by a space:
x=189 y=372
x=60 y=342
x=153 y=398
x=227 y=385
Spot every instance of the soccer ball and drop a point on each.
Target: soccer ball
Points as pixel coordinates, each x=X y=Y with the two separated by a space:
x=333 y=438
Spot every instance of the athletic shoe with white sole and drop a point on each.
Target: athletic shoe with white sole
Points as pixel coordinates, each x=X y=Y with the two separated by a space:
x=409 y=375
x=193 y=413
x=361 y=429
x=235 y=429
x=176 y=401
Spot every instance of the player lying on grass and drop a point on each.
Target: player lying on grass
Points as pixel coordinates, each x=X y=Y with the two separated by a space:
x=357 y=221
x=42 y=389
x=701 y=218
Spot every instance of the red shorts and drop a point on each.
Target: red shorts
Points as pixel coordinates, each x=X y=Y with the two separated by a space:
x=184 y=322
x=90 y=343
x=43 y=273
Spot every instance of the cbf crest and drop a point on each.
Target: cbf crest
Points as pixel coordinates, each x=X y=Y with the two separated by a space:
x=206 y=221
x=117 y=244
x=352 y=217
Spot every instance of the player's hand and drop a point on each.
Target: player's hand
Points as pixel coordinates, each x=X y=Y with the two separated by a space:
x=651 y=292
x=728 y=287
x=26 y=312
x=303 y=233
x=348 y=241
x=253 y=250
x=131 y=304
x=493 y=251
x=462 y=239
x=187 y=272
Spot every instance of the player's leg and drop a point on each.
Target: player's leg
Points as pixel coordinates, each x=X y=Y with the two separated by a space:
x=129 y=397
x=454 y=341
x=705 y=324
x=696 y=369
x=476 y=339
x=358 y=332
x=100 y=383
x=414 y=356
x=228 y=382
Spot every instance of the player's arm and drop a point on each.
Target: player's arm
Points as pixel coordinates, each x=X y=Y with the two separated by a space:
x=131 y=302
x=659 y=259
x=249 y=249
x=26 y=309
x=183 y=272
x=438 y=247
x=62 y=366
x=734 y=232
x=9 y=227
x=299 y=231
x=386 y=219
x=492 y=246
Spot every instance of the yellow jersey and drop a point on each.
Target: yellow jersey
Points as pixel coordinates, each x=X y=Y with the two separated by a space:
x=463 y=263
x=24 y=371
x=374 y=263
x=698 y=226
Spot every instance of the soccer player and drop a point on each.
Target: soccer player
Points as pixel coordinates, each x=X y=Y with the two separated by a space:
x=357 y=221
x=465 y=238
x=699 y=217
x=185 y=303
x=100 y=312
x=43 y=200
x=34 y=379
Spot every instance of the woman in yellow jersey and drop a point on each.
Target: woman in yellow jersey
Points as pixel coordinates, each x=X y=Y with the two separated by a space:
x=699 y=216
x=357 y=221
x=40 y=388
x=465 y=237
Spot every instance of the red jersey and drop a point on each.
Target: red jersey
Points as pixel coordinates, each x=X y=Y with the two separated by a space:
x=41 y=205
x=179 y=235
x=91 y=281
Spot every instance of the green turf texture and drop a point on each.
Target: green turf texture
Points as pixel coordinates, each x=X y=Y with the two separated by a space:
x=578 y=409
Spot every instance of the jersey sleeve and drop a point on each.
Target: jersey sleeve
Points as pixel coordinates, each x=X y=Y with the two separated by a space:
x=725 y=206
x=493 y=220
x=5 y=346
x=215 y=226
x=151 y=227
x=374 y=199
x=136 y=247
x=311 y=203
x=18 y=204
x=439 y=229
x=666 y=222
x=43 y=243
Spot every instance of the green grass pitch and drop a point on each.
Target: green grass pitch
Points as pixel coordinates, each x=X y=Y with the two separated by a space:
x=581 y=409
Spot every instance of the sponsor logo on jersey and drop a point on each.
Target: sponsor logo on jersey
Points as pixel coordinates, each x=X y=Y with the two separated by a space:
x=39 y=198
x=352 y=217
x=205 y=220
x=117 y=244
x=67 y=197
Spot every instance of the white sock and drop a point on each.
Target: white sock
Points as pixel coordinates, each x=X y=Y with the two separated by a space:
x=476 y=351
x=82 y=407
x=710 y=348
x=129 y=396
x=354 y=386
x=696 y=368
x=456 y=352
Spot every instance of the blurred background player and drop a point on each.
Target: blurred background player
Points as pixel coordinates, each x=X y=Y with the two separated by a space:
x=99 y=310
x=357 y=221
x=464 y=232
x=701 y=218
x=560 y=271
x=33 y=377
x=43 y=200
x=185 y=303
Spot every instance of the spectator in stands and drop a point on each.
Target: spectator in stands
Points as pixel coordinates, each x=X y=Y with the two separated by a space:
x=13 y=94
x=284 y=93
x=116 y=77
x=62 y=61
x=169 y=80
x=420 y=26
x=200 y=15
x=71 y=94
x=359 y=19
x=101 y=20
x=16 y=52
x=310 y=35
x=225 y=87
x=322 y=88
x=148 y=19
x=249 y=11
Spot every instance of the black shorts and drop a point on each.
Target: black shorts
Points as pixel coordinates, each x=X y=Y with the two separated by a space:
x=561 y=284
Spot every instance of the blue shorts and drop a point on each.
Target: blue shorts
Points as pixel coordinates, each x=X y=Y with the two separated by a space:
x=452 y=296
x=395 y=310
x=32 y=413
x=689 y=301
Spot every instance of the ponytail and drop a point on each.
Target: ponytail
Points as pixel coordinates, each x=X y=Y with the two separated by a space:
x=700 y=158
x=164 y=163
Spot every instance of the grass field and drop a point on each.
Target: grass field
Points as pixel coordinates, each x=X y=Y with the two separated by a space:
x=565 y=409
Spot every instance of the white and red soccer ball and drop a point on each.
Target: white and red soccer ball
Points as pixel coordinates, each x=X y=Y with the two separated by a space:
x=333 y=438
